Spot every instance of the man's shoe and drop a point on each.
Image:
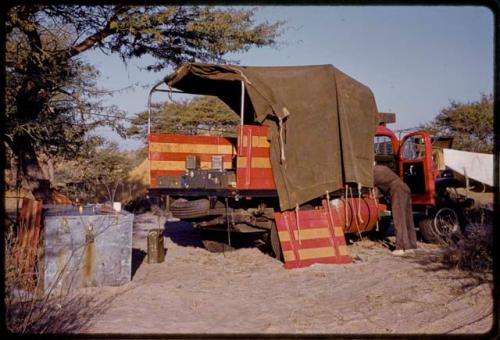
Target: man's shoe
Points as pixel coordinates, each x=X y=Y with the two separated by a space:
x=398 y=252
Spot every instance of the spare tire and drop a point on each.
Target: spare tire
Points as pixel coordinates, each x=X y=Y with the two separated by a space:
x=185 y=209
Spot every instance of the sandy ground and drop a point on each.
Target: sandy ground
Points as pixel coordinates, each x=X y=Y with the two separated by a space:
x=247 y=291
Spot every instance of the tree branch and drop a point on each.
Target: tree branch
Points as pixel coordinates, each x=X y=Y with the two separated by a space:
x=98 y=36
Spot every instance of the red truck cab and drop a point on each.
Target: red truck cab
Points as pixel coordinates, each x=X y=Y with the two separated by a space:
x=411 y=159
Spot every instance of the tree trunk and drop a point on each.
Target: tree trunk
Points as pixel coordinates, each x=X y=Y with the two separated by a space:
x=15 y=179
x=50 y=166
x=30 y=102
x=30 y=168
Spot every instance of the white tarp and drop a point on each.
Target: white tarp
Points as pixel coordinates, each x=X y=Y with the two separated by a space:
x=478 y=166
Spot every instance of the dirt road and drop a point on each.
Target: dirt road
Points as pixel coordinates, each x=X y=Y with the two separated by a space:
x=247 y=291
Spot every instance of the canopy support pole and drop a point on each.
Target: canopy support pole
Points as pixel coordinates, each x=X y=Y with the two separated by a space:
x=242 y=110
x=242 y=114
x=149 y=104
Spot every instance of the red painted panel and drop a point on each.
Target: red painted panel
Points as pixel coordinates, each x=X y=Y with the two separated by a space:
x=248 y=177
x=257 y=152
x=308 y=244
x=179 y=156
x=189 y=139
x=27 y=241
x=302 y=252
x=164 y=138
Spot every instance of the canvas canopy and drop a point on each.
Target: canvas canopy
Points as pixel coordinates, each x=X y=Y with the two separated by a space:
x=321 y=121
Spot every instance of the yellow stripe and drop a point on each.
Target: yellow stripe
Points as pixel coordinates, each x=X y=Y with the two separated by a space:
x=192 y=148
x=305 y=234
x=338 y=231
x=260 y=142
x=288 y=255
x=343 y=250
x=168 y=165
x=257 y=162
x=261 y=162
x=241 y=162
x=245 y=141
x=181 y=165
x=315 y=253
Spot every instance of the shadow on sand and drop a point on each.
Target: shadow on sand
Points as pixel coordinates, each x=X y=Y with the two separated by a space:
x=183 y=234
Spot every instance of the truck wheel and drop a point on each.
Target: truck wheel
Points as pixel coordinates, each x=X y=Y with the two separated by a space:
x=441 y=226
x=275 y=242
x=185 y=209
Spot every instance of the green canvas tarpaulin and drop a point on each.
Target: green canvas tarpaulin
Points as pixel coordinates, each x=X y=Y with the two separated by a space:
x=327 y=121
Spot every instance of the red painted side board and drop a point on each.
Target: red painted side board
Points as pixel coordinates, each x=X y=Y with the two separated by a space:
x=180 y=156
x=301 y=252
x=190 y=139
x=258 y=177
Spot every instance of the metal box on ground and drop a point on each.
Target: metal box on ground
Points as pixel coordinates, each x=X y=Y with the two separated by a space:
x=86 y=247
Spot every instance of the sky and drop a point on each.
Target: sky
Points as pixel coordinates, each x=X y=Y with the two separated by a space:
x=414 y=59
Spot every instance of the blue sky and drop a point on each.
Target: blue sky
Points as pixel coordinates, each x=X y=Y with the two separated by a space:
x=414 y=59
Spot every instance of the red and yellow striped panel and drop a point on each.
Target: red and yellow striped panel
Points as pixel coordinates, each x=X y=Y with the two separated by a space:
x=167 y=152
x=253 y=165
x=314 y=236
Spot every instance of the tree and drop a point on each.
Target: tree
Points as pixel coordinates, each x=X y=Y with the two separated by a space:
x=97 y=173
x=471 y=124
x=108 y=167
x=205 y=113
x=50 y=90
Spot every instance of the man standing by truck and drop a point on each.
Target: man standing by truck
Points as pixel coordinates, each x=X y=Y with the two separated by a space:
x=390 y=183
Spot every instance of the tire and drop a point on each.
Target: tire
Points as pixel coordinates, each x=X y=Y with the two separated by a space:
x=275 y=243
x=442 y=226
x=185 y=209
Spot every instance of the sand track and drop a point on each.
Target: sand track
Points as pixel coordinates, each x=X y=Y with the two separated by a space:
x=247 y=291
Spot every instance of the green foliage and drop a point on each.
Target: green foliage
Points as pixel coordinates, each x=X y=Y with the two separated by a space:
x=471 y=124
x=201 y=115
x=51 y=97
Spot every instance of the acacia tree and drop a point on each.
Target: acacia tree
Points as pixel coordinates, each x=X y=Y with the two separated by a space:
x=471 y=124
x=49 y=89
x=205 y=113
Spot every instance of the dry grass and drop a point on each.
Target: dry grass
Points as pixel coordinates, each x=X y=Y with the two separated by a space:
x=30 y=307
x=474 y=253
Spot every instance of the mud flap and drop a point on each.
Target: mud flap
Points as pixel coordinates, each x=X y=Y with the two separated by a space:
x=311 y=236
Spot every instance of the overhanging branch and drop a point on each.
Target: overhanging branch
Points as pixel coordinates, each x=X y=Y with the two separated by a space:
x=97 y=37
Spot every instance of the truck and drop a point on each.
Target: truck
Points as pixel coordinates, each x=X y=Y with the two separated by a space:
x=305 y=147
x=438 y=209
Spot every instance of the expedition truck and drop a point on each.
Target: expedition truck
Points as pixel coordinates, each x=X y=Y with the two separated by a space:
x=302 y=155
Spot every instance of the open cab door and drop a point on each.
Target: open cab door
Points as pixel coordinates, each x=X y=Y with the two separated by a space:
x=416 y=167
